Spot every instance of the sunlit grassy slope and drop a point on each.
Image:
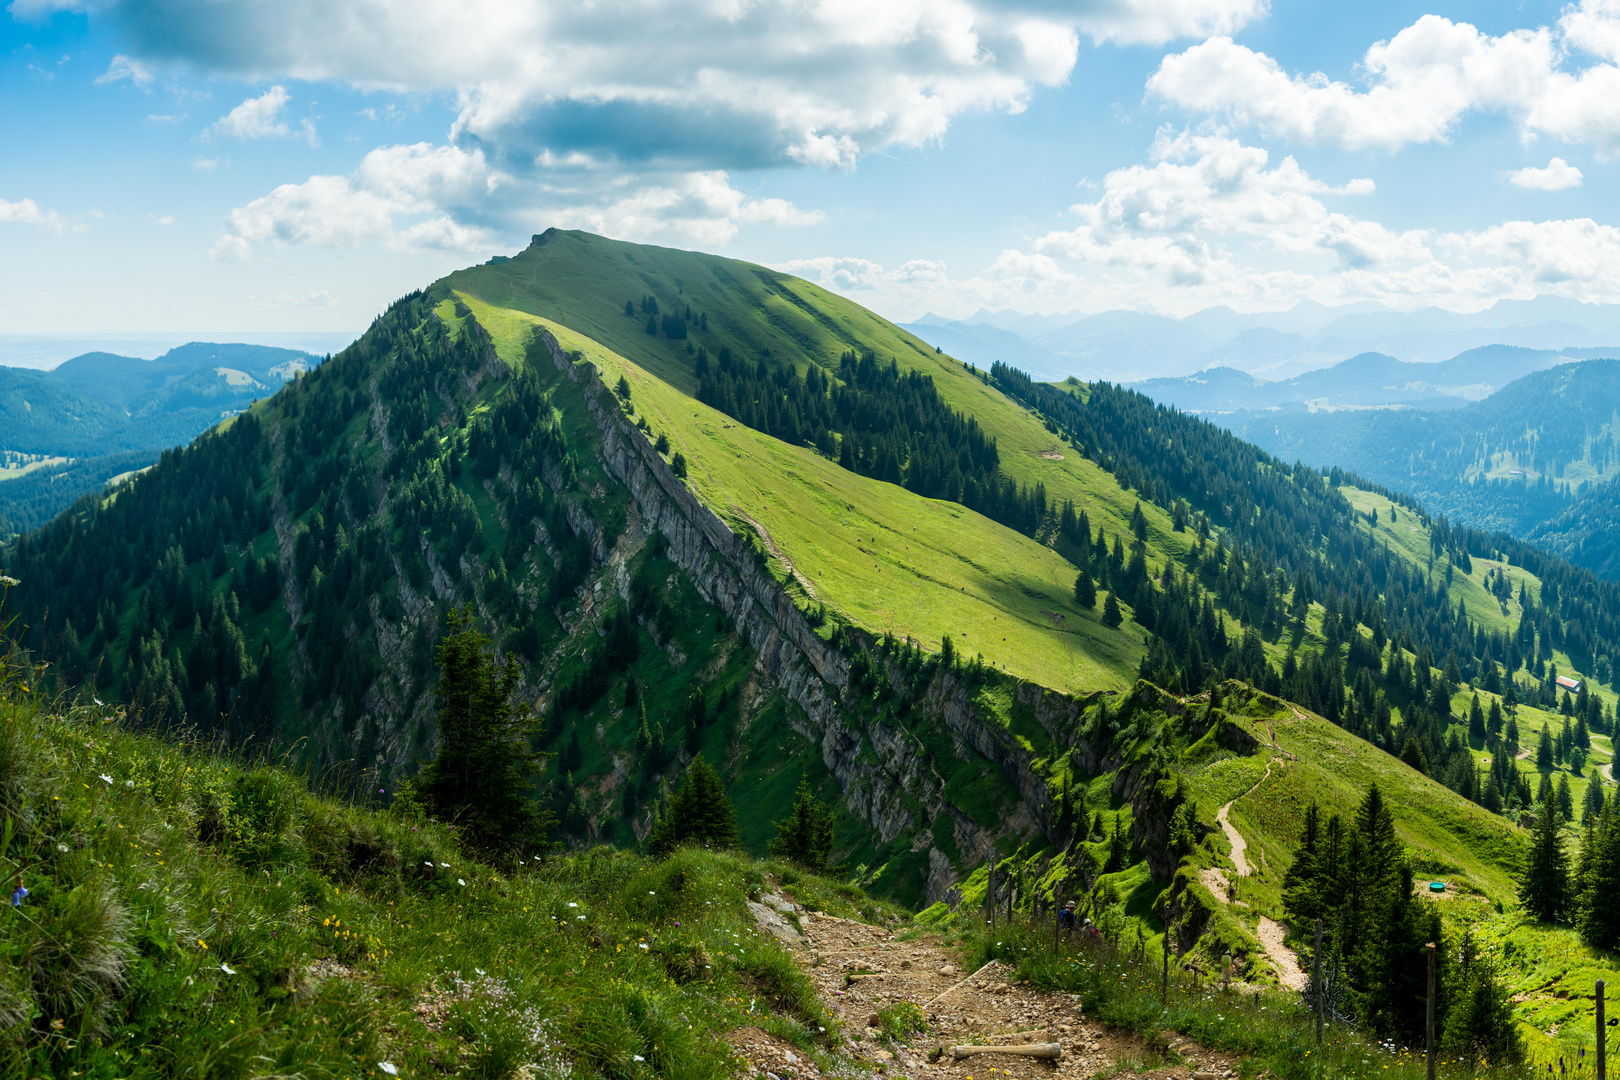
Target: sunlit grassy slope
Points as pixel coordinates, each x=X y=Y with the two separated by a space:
x=886 y=558
x=582 y=281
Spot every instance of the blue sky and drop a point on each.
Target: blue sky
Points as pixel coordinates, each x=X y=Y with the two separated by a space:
x=265 y=165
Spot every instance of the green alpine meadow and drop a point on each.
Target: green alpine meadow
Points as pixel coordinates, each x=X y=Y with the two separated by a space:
x=613 y=660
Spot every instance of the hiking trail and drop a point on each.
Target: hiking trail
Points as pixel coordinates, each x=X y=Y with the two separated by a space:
x=963 y=1007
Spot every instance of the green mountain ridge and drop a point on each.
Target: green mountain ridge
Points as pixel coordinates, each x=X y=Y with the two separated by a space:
x=515 y=440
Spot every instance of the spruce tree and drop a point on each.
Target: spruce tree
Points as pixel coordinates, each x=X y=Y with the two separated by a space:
x=1566 y=802
x=481 y=777
x=1544 y=886
x=1412 y=754
x=1599 y=915
x=1476 y=721
x=806 y=836
x=1544 y=750
x=700 y=814
x=1480 y=1026
x=1118 y=849
x=1301 y=901
x=1112 y=616
x=1085 y=590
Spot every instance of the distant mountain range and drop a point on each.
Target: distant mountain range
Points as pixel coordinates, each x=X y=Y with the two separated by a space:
x=1129 y=346
x=99 y=415
x=1502 y=419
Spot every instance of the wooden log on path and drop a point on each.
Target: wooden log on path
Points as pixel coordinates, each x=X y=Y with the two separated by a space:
x=1032 y=1050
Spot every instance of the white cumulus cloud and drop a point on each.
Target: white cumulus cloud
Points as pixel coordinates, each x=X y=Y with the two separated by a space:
x=1561 y=81
x=1559 y=175
x=27 y=212
x=260 y=118
x=398 y=196
x=692 y=84
x=121 y=67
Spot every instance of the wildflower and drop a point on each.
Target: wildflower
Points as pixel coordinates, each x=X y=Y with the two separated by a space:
x=7 y=581
x=227 y=969
x=638 y=1057
x=62 y=848
x=460 y=882
x=106 y=779
x=18 y=895
x=572 y=904
x=388 y=1067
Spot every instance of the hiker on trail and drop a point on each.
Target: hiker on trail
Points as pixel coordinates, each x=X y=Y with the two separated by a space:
x=1066 y=919
x=1092 y=936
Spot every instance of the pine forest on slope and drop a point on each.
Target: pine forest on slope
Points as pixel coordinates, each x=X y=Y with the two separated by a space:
x=286 y=576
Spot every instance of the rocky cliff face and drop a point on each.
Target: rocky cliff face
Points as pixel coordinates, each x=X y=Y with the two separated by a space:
x=888 y=780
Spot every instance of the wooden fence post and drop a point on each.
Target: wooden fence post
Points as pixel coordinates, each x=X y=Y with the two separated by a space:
x=1316 y=977
x=990 y=894
x=1428 y=1013
x=1165 y=993
x=1602 y=1033
x=1057 y=918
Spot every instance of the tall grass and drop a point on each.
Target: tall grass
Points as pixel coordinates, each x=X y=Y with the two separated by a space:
x=188 y=915
x=1271 y=1032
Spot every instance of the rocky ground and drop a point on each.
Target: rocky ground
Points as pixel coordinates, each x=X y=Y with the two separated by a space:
x=860 y=969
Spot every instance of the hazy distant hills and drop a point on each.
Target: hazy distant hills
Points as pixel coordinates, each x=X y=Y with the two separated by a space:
x=1130 y=346
x=1501 y=419
x=111 y=414
x=100 y=402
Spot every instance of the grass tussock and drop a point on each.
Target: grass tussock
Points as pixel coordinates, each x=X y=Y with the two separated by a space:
x=187 y=915
x=1270 y=1033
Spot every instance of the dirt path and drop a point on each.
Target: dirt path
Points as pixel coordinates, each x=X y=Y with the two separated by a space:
x=770 y=545
x=978 y=1008
x=1240 y=846
x=1240 y=862
x=1282 y=957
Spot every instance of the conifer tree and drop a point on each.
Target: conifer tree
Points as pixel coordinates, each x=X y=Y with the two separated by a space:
x=1412 y=754
x=1544 y=751
x=1301 y=901
x=1493 y=722
x=481 y=777
x=1112 y=616
x=1476 y=721
x=699 y=814
x=1566 y=802
x=1480 y=1026
x=1599 y=915
x=1085 y=590
x=1118 y=849
x=806 y=836
x=1544 y=886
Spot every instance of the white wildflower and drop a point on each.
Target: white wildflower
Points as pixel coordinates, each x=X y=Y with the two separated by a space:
x=7 y=581
x=461 y=882
x=106 y=779
x=227 y=969
x=388 y=1067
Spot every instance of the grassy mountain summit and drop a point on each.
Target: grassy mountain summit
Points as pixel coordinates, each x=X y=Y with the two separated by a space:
x=712 y=509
